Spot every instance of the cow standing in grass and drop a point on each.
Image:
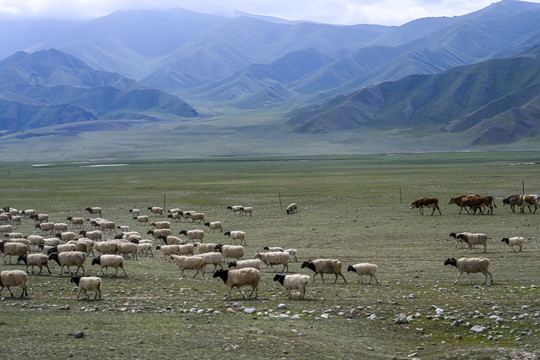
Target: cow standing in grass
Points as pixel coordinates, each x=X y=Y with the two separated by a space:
x=428 y=202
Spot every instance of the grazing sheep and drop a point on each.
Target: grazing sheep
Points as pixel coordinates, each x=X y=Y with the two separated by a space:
x=32 y=260
x=93 y=235
x=514 y=241
x=293 y=253
x=106 y=247
x=296 y=281
x=236 y=235
x=123 y=228
x=470 y=265
x=273 y=248
x=474 y=239
x=240 y=264
x=214 y=225
x=60 y=227
x=51 y=242
x=236 y=209
x=107 y=261
x=105 y=225
x=4 y=218
x=14 y=235
x=66 y=236
x=35 y=240
x=85 y=245
x=145 y=248
x=142 y=219
x=156 y=210
x=94 y=210
x=16 y=220
x=274 y=258
x=135 y=212
x=12 y=249
x=247 y=210
x=70 y=258
x=39 y=218
x=292 y=208
x=176 y=217
x=128 y=249
x=193 y=235
x=205 y=247
x=324 y=266
x=6 y=228
x=460 y=240
x=168 y=250
x=86 y=283
x=45 y=227
x=239 y=278
x=364 y=269
x=197 y=217
x=156 y=233
x=161 y=224
x=213 y=258
x=76 y=221
x=10 y=278
x=230 y=251
x=171 y=240
x=189 y=262
x=62 y=248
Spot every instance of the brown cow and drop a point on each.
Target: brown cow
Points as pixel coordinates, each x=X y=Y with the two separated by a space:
x=478 y=202
x=512 y=201
x=426 y=202
x=529 y=201
x=458 y=200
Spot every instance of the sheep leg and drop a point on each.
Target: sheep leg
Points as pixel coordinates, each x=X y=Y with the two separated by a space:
x=342 y=277
x=49 y=270
x=322 y=277
x=461 y=273
x=124 y=270
x=24 y=291
x=9 y=291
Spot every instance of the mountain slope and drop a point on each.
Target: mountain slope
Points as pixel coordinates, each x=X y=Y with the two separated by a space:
x=456 y=100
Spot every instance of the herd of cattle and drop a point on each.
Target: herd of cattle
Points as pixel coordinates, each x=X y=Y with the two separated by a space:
x=477 y=203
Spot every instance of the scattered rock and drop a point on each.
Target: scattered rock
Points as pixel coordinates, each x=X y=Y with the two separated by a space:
x=78 y=334
x=478 y=329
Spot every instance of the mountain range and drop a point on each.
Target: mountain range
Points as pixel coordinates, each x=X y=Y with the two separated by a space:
x=475 y=77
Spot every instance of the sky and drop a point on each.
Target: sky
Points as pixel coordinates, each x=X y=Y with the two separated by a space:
x=347 y=12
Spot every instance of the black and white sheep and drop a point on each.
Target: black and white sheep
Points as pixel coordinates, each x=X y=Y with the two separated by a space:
x=362 y=269
x=143 y=219
x=12 y=249
x=240 y=264
x=39 y=260
x=156 y=233
x=236 y=209
x=205 y=247
x=324 y=266
x=93 y=210
x=471 y=265
x=93 y=235
x=474 y=239
x=189 y=263
x=295 y=281
x=273 y=248
x=292 y=208
x=214 y=225
x=213 y=258
x=193 y=235
x=161 y=224
x=9 y=278
x=87 y=283
x=107 y=261
x=76 y=221
x=156 y=210
x=239 y=278
x=236 y=235
x=130 y=249
x=230 y=251
x=70 y=258
x=274 y=258
x=514 y=241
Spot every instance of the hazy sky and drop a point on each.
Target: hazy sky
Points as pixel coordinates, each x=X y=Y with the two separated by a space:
x=386 y=12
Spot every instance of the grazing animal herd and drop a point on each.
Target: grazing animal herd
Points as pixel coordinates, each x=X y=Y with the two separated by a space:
x=70 y=251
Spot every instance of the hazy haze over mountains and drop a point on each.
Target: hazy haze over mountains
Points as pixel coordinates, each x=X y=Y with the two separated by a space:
x=247 y=74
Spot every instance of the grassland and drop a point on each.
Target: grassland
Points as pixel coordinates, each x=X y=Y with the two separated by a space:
x=351 y=208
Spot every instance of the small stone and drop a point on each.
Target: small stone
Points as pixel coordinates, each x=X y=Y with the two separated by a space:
x=478 y=329
x=250 y=310
x=78 y=334
x=282 y=306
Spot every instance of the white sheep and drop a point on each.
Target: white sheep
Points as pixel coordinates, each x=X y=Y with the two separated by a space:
x=135 y=212
x=14 y=235
x=35 y=240
x=240 y=264
x=32 y=260
x=171 y=240
x=60 y=227
x=293 y=253
x=123 y=228
x=274 y=258
x=94 y=234
x=142 y=219
x=213 y=258
x=6 y=228
x=168 y=250
x=190 y=263
x=324 y=266
x=239 y=278
x=16 y=220
x=470 y=265
x=205 y=247
x=197 y=217
x=39 y=218
x=364 y=269
x=70 y=258
x=60 y=248
x=87 y=283
x=12 y=249
x=52 y=242
x=21 y=241
x=45 y=227
x=156 y=233
x=161 y=224
x=145 y=249
x=76 y=221
x=176 y=216
x=474 y=239
x=230 y=251
x=85 y=245
x=107 y=261
x=292 y=208
x=156 y=210
x=459 y=241
x=514 y=241
x=66 y=236
x=10 y=278
x=236 y=209
x=93 y=210
x=295 y=281
x=247 y=210
x=193 y=235
x=273 y=248
x=214 y=225
x=236 y=235
x=128 y=249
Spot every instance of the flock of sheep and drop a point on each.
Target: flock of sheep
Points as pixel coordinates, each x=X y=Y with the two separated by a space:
x=70 y=245
x=71 y=248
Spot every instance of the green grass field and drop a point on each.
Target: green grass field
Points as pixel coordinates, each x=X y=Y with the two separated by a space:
x=353 y=208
